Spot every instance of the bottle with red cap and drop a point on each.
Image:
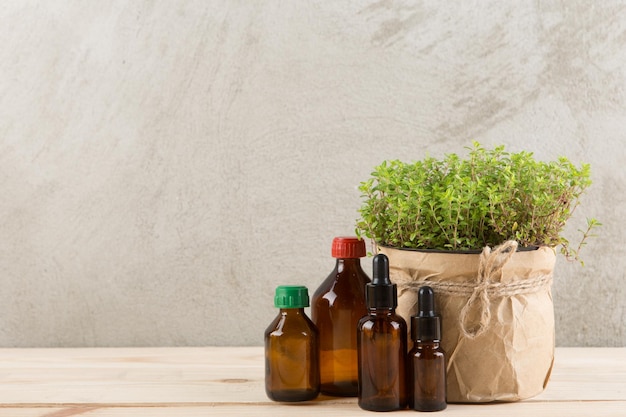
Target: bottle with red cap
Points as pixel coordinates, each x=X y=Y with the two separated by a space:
x=337 y=306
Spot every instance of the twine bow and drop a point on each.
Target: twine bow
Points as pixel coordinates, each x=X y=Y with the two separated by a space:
x=489 y=272
x=480 y=292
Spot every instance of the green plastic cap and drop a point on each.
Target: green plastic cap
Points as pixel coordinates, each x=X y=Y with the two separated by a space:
x=291 y=296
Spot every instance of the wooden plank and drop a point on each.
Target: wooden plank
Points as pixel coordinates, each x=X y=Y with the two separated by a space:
x=229 y=381
x=131 y=376
x=589 y=374
x=570 y=409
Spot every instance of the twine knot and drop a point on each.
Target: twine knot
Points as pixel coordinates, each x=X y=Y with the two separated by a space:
x=475 y=315
x=489 y=271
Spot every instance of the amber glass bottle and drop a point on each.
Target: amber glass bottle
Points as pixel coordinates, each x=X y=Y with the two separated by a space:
x=292 y=349
x=338 y=305
x=382 y=345
x=427 y=360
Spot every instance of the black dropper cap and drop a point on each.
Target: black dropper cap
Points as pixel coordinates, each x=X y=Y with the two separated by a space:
x=381 y=293
x=426 y=326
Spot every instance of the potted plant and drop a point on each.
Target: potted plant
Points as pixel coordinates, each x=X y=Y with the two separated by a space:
x=438 y=219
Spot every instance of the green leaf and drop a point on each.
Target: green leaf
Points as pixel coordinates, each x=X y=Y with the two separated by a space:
x=468 y=202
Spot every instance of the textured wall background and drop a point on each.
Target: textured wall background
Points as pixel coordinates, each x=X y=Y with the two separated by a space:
x=164 y=165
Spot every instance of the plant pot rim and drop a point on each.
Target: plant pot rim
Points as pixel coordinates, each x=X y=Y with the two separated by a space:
x=460 y=252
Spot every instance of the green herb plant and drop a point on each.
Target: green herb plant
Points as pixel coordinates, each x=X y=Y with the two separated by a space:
x=461 y=204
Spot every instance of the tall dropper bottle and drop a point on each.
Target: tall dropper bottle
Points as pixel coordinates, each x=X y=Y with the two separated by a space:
x=382 y=345
x=426 y=361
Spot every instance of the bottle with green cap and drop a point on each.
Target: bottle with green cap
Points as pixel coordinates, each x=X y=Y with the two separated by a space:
x=292 y=349
x=382 y=345
x=427 y=360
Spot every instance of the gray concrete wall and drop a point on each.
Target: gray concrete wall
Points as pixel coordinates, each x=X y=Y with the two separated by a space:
x=164 y=165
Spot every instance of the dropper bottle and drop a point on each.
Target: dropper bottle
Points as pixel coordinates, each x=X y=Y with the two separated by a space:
x=426 y=361
x=382 y=345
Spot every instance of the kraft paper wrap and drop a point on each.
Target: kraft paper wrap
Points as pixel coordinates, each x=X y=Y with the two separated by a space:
x=497 y=316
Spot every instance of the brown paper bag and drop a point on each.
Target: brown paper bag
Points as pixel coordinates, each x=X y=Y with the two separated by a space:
x=497 y=316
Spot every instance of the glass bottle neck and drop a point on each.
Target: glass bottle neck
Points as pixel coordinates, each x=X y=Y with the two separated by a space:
x=295 y=310
x=381 y=311
x=432 y=344
x=348 y=263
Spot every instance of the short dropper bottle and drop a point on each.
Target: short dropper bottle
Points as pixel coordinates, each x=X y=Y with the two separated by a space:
x=426 y=361
x=382 y=345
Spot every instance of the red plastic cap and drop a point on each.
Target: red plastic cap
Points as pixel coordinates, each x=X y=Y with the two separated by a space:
x=348 y=247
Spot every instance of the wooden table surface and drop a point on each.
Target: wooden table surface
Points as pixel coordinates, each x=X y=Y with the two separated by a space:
x=228 y=381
